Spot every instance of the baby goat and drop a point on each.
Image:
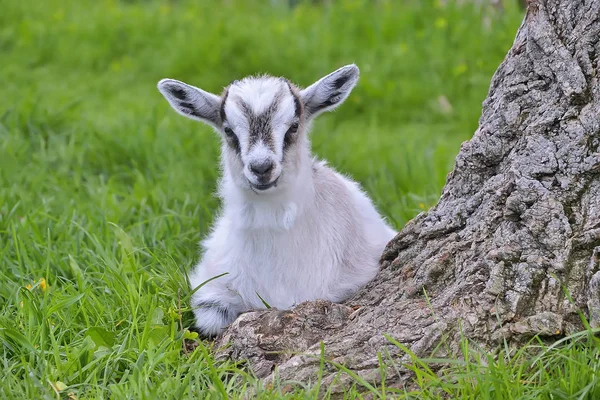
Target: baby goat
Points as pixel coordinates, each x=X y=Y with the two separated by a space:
x=291 y=228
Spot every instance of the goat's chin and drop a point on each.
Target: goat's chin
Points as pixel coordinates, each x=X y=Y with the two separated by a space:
x=264 y=188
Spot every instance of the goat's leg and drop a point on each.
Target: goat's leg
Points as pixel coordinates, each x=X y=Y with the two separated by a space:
x=215 y=306
x=213 y=316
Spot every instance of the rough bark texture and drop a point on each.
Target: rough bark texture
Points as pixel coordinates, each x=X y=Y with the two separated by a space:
x=516 y=228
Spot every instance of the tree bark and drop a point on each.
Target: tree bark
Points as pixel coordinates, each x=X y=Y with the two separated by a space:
x=510 y=251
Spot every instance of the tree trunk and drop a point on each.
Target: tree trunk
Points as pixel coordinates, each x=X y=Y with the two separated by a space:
x=512 y=248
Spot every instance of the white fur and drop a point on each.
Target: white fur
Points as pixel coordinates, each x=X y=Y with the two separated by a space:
x=258 y=92
x=314 y=236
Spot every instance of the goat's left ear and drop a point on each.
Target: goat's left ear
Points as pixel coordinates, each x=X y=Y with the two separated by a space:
x=191 y=101
x=329 y=92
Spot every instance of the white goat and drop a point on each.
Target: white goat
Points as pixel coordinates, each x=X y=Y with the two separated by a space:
x=291 y=228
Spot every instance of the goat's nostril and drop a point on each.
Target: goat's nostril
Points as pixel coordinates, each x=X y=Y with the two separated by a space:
x=261 y=168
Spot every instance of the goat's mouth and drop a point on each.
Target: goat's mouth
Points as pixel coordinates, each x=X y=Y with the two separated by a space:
x=263 y=187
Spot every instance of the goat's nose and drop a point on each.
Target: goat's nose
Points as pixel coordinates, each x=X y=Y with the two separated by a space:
x=261 y=168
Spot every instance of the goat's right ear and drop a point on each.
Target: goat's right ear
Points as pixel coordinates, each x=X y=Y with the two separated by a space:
x=191 y=102
x=329 y=92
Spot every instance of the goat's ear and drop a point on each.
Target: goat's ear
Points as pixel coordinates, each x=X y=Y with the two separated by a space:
x=329 y=92
x=191 y=102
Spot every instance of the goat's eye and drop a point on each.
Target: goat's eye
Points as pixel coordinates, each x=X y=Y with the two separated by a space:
x=229 y=132
x=289 y=135
x=293 y=128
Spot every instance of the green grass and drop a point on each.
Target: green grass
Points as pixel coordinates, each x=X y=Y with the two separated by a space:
x=105 y=192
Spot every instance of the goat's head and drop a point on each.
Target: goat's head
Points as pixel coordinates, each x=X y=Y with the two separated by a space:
x=263 y=121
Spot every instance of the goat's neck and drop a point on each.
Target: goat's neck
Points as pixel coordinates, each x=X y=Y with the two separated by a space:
x=273 y=211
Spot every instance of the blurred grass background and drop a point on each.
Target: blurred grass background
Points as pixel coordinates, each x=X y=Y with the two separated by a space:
x=105 y=191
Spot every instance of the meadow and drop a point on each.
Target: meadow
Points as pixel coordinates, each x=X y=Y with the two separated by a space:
x=105 y=192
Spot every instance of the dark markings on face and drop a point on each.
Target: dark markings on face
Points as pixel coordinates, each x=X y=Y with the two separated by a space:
x=291 y=136
x=231 y=138
x=222 y=110
x=297 y=102
x=234 y=143
x=260 y=126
